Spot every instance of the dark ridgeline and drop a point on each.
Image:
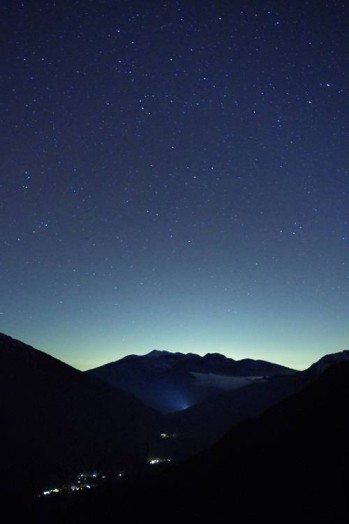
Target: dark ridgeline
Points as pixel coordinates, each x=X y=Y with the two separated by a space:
x=164 y=380
x=172 y=382
x=57 y=421
x=201 y=425
x=289 y=465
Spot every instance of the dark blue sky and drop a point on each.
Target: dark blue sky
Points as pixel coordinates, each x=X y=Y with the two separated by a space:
x=174 y=175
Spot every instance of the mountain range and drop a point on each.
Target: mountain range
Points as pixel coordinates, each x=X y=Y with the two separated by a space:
x=203 y=424
x=172 y=382
x=203 y=397
x=57 y=421
x=290 y=464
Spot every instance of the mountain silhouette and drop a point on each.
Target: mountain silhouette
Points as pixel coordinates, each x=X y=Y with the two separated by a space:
x=287 y=447
x=290 y=464
x=57 y=421
x=203 y=424
x=172 y=382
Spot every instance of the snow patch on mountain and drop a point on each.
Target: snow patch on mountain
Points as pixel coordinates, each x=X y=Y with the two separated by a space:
x=223 y=381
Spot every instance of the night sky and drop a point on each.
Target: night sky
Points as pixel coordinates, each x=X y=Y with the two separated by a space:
x=174 y=175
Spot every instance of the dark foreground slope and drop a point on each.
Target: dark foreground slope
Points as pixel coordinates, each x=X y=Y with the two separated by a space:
x=291 y=464
x=56 y=420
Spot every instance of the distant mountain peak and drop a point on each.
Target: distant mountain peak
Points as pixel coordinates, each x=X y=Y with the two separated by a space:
x=172 y=381
x=217 y=357
x=155 y=353
x=329 y=360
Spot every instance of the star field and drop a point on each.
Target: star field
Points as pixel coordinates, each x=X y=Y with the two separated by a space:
x=174 y=175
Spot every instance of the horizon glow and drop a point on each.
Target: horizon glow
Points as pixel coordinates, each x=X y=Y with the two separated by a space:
x=175 y=176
